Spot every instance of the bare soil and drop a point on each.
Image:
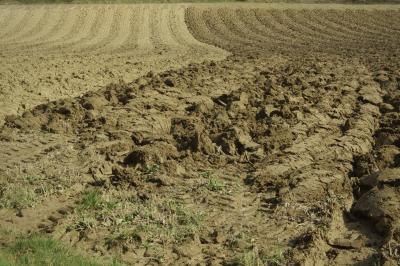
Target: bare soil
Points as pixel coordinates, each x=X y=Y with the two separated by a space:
x=50 y=52
x=284 y=153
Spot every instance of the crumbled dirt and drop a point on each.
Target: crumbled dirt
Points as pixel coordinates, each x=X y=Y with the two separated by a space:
x=266 y=157
x=281 y=149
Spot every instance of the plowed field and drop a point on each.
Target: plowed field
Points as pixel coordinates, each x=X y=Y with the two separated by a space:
x=232 y=135
x=306 y=29
x=57 y=51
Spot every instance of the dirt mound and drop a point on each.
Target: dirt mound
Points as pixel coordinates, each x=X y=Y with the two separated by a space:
x=229 y=140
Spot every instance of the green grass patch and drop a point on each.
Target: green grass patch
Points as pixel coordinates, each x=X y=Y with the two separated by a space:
x=38 y=250
x=215 y=184
x=168 y=221
x=17 y=197
x=20 y=190
x=151 y=169
x=93 y=206
x=93 y=200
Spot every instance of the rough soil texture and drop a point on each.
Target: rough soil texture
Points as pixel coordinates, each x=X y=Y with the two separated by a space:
x=285 y=153
x=49 y=52
x=306 y=29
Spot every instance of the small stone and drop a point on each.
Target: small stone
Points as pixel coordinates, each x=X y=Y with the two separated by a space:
x=284 y=190
x=348 y=243
x=390 y=176
x=92 y=115
x=161 y=180
x=64 y=210
x=223 y=118
x=198 y=108
x=299 y=115
x=53 y=219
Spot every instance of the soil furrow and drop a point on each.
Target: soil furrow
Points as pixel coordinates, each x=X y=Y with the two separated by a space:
x=45 y=28
x=18 y=21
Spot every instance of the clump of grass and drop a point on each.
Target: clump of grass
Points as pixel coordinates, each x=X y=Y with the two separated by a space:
x=183 y=215
x=151 y=169
x=206 y=174
x=91 y=208
x=215 y=184
x=248 y=259
x=172 y=221
x=133 y=222
x=17 y=197
x=185 y=223
x=168 y=221
x=93 y=200
x=20 y=190
x=274 y=259
x=38 y=250
x=85 y=222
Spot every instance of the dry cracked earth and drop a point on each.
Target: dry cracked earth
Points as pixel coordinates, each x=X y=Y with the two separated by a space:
x=238 y=135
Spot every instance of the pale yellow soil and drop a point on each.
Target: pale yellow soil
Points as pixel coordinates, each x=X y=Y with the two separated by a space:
x=54 y=51
x=49 y=52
